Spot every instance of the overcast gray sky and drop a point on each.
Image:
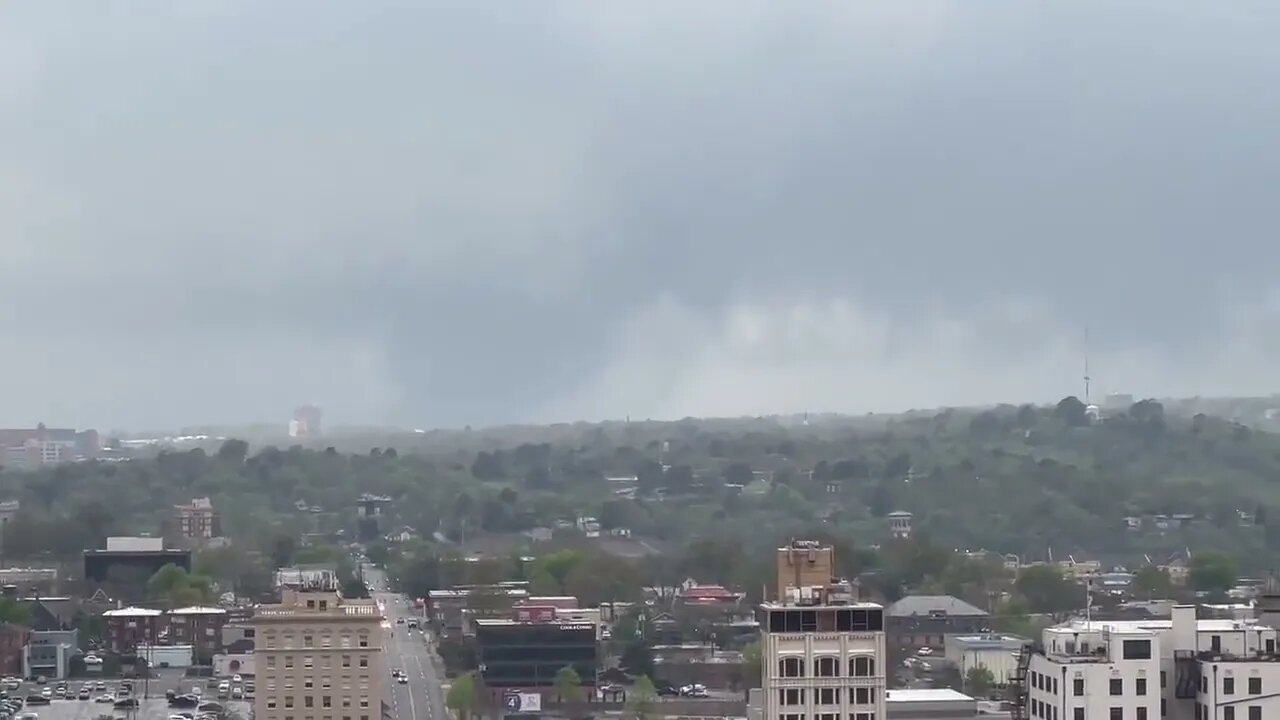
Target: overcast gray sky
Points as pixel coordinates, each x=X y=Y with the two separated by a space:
x=473 y=212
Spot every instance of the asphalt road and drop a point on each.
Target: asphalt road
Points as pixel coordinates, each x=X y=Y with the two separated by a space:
x=409 y=650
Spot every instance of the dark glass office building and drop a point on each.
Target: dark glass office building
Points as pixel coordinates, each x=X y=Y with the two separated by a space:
x=528 y=655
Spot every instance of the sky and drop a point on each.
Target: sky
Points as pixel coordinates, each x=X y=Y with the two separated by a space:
x=437 y=214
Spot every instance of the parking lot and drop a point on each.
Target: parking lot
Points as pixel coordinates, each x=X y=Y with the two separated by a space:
x=150 y=695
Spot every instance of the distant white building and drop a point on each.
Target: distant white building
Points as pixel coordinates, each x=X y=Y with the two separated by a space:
x=997 y=653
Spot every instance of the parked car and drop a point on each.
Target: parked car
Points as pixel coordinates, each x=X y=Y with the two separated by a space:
x=34 y=699
x=184 y=701
x=237 y=692
x=105 y=698
x=84 y=694
x=236 y=678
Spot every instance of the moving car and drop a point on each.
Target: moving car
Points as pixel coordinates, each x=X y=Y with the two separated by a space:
x=34 y=699
x=126 y=703
x=105 y=698
x=403 y=680
x=237 y=692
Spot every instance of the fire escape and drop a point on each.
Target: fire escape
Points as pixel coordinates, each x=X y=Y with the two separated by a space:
x=1017 y=688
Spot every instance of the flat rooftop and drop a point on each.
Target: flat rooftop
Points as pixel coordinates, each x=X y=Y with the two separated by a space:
x=1154 y=625
x=926 y=695
x=795 y=606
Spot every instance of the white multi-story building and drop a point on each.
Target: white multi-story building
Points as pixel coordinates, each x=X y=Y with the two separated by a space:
x=1182 y=668
x=822 y=656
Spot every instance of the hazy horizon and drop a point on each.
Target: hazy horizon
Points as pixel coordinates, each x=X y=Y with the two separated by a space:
x=474 y=213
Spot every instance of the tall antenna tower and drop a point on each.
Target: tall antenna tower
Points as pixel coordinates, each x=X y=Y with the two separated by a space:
x=1086 y=366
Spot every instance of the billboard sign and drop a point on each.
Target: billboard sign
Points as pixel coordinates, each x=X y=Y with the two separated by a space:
x=522 y=702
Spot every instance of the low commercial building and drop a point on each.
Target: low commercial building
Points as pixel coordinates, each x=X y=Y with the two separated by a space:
x=167 y=656
x=132 y=559
x=918 y=621
x=930 y=704
x=49 y=653
x=527 y=655
x=997 y=653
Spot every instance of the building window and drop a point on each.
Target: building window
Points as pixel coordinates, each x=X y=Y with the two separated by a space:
x=364 y=702
x=308 y=641
x=1228 y=686
x=346 y=661
x=1077 y=687
x=864 y=696
x=864 y=716
x=288 y=662
x=1255 y=686
x=828 y=716
x=288 y=701
x=271 y=662
x=1117 y=686
x=308 y=683
x=1077 y=714
x=1137 y=649
x=1117 y=713
x=271 y=703
x=326 y=701
x=1229 y=712
x=1255 y=712
x=791 y=716
x=791 y=696
x=862 y=666
x=1140 y=686
x=826 y=667
x=364 y=662
x=1163 y=681
x=829 y=696
x=1142 y=713
x=308 y=701
x=791 y=667
x=1053 y=685
x=307 y=662
x=364 y=641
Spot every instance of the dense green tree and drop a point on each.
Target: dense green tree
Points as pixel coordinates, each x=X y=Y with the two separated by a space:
x=978 y=681
x=1047 y=590
x=1071 y=411
x=1213 y=572
x=463 y=697
x=568 y=684
x=641 y=701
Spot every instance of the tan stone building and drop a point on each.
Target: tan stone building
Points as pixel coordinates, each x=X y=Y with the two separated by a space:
x=319 y=656
x=804 y=563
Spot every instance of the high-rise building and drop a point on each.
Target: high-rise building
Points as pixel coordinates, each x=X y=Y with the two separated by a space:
x=318 y=654
x=822 y=652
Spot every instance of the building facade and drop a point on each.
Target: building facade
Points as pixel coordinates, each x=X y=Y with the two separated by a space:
x=1198 y=669
x=199 y=627
x=918 y=621
x=997 y=653
x=822 y=656
x=803 y=563
x=49 y=652
x=196 y=520
x=127 y=629
x=318 y=655
x=516 y=655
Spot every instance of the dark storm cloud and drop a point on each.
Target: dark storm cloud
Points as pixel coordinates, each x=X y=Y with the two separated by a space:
x=454 y=213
